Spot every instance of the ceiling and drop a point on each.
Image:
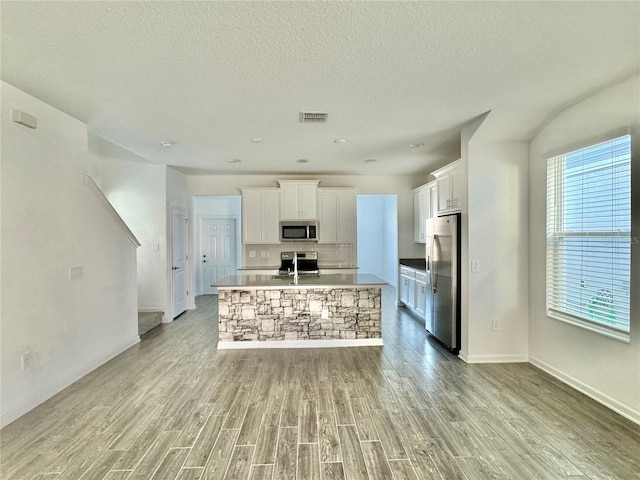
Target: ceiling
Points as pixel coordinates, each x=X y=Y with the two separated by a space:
x=212 y=76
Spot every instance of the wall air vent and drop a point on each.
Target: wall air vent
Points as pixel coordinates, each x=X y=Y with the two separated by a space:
x=313 y=117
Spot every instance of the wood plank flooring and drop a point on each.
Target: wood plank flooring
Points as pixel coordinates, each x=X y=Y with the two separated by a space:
x=174 y=407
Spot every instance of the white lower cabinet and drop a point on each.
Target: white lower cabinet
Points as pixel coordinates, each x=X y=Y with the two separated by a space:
x=407 y=286
x=413 y=290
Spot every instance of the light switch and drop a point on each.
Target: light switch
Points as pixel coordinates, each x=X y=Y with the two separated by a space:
x=475 y=266
x=155 y=246
x=252 y=254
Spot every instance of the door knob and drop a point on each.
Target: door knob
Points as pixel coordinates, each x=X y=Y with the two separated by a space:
x=174 y=268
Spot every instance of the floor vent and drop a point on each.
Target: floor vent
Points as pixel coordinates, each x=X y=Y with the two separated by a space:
x=313 y=117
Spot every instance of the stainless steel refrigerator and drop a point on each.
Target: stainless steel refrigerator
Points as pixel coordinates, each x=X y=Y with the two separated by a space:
x=443 y=269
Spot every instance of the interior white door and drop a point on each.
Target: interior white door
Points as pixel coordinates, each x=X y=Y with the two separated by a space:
x=179 y=260
x=217 y=251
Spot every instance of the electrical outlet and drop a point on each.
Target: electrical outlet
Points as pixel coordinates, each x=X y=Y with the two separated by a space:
x=29 y=360
x=75 y=272
x=495 y=325
x=263 y=254
x=325 y=314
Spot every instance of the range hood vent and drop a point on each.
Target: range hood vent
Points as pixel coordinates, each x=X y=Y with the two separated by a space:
x=313 y=117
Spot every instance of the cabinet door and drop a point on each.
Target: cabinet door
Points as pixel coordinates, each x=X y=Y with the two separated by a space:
x=421 y=297
x=307 y=202
x=346 y=217
x=411 y=294
x=404 y=289
x=289 y=202
x=444 y=194
x=252 y=216
x=433 y=204
x=456 y=186
x=418 y=214
x=271 y=217
x=328 y=221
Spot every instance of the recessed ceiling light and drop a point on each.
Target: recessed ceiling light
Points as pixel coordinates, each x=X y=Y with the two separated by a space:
x=234 y=160
x=167 y=143
x=370 y=160
x=257 y=140
x=340 y=140
x=416 y=145
x=302 y=160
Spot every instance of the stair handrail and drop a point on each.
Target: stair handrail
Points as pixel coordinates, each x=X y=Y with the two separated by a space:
x=91 y=182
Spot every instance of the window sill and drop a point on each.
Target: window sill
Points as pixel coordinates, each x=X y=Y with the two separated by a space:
x=623 y=337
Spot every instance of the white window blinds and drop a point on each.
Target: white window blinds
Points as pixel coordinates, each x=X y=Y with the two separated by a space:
x=589 y=235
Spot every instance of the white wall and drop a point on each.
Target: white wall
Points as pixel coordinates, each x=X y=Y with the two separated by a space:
x=465 y=137
x=224 y=206
x=378 y=236
x=494 y=231
x=136 y=189
x=400 y=185
x=498 y=238
x=603 y=368
x=52 y=220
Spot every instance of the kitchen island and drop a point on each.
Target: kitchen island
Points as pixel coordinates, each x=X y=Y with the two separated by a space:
x=271 y=311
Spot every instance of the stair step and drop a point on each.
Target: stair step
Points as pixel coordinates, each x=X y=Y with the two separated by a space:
x=148 y=321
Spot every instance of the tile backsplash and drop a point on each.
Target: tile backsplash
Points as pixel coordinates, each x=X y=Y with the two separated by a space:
x=329 y=254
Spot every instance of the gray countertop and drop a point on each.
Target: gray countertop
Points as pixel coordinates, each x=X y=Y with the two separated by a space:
x=417 y=263
x=337 y=280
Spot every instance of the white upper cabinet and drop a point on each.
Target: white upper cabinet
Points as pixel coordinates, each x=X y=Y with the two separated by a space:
x=299 y=199
x=260 y=215
x=450 y=185
x=337 y=215
x=424 y=207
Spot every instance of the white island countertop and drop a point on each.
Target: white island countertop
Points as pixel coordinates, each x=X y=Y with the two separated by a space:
x=337 y=280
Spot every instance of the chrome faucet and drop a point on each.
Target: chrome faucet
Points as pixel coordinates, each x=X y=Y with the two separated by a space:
x=295 y=268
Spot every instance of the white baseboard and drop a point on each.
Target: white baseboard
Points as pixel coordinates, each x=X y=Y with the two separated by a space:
x=151 y=310
x=7 y=417
x=510 y=358
x=362 y=342
x=600 y=397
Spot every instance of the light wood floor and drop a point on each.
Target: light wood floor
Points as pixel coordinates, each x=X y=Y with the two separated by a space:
x=174 y=407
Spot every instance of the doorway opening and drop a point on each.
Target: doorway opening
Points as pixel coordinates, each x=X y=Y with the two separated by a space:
x=378 y=236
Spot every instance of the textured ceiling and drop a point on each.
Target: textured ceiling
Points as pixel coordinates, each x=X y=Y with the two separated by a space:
x=213 y=75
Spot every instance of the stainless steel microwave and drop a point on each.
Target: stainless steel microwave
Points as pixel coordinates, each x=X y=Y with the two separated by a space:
x=298 y=231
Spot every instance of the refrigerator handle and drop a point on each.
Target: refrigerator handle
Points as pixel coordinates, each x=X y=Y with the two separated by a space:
x=433 y=275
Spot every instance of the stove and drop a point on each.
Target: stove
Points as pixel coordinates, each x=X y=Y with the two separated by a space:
x=307 y=263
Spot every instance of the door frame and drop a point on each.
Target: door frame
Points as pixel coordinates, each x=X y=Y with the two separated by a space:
x=171 y=287
x=198 y=232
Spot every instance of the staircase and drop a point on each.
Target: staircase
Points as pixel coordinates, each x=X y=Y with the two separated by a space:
x=148 y=321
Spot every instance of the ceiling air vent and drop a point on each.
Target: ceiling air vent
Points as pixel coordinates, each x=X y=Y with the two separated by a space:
x=313 y=117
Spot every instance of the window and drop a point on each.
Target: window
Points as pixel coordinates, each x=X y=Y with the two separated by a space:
x=589 y=236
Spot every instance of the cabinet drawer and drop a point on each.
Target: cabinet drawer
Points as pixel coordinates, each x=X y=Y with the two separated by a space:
x=421 y=277
x=407 y=272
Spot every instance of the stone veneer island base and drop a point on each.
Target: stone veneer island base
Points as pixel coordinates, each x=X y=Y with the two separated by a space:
x=256 y=311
